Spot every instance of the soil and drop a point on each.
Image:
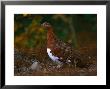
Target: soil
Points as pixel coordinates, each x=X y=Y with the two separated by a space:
x=24 y=58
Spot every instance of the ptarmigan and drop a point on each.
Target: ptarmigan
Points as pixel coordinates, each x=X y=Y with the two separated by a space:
x=60 y=52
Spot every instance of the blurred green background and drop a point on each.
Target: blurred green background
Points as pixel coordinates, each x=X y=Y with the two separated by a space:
x=76 y=29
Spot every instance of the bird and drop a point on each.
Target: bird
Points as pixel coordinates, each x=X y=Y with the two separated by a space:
x=60 y=52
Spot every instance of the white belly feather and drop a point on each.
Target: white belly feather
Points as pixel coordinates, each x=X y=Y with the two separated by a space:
x=54 y=58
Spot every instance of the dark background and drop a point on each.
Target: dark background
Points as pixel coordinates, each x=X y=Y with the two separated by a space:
x=78 y=30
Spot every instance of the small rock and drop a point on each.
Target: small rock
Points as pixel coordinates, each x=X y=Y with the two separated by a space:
x=35 y=66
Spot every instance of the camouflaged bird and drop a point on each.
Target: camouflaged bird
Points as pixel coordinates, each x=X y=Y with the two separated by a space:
x=60 y=52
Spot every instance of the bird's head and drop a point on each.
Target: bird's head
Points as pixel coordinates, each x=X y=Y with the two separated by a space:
x=46 y=25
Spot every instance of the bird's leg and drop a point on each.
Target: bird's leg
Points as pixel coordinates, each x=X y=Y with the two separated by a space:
x=75 y=62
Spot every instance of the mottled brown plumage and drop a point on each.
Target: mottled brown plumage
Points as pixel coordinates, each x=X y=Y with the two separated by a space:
x=65 y=53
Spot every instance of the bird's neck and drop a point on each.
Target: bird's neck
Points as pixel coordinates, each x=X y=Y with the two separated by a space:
x=50 y=38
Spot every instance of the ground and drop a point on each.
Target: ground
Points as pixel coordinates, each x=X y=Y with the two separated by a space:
x=24 y=58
